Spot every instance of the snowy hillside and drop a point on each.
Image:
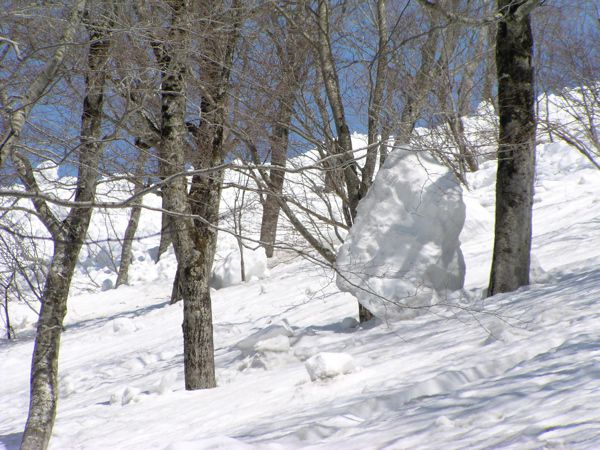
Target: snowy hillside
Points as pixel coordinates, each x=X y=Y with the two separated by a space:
x=519 y=370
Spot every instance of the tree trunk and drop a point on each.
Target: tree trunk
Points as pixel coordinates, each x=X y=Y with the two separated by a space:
x=516 y=150
x=68 y=238
x=44 y=374
x=134 y=218
x=194 y=215
x=165 y=236
x=127 y=247
x=292 y=59
x=375 y=101
x=279 y=145
x=343 y=146
x=190 y=248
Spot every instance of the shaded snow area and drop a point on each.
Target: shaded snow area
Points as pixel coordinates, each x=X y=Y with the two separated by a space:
x=295 y=370
x=403 y=253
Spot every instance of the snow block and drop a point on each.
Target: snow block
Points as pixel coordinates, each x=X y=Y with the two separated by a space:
x=227 y=272
x=403 y=251
x=328 y=365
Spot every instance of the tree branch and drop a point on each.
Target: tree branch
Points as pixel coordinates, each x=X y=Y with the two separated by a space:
x=44 y=212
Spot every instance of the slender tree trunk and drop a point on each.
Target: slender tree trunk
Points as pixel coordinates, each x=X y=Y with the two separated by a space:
x=516 y=150
x=165 y=236
x=376 y=100
x=134 y=219
x=292 y=54
x=343 y=145
x=68 y=238
x=279 y=145
x=127 y=247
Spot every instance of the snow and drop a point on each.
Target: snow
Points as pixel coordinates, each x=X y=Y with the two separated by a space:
x=329 y=365
x=518 y=370
x=227 y=272
x=403 y=252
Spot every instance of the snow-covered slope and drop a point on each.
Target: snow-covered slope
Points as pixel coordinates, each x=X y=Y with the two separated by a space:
x=519 y=370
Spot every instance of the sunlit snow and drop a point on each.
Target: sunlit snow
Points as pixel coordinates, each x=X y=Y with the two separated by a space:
x=518 y=370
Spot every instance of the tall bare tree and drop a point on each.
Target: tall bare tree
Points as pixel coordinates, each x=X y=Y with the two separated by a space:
x=68 y=235
x=292 y=61
x=194 y=215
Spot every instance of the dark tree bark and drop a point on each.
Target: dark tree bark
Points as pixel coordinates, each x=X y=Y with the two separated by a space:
x=134 y=216
x=516 y=149
x=68 y=237
x=205 y=191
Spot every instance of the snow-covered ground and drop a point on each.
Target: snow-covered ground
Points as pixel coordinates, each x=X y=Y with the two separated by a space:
x=519 y=370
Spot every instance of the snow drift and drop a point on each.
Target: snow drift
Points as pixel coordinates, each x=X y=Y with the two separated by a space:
x=403 y=251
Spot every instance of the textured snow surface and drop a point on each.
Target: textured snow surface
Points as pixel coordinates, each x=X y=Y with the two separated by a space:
x=403 y=252
x=516 y=371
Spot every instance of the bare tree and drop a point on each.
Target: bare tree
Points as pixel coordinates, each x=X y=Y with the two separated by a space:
x=68 y=235
x=292 y=62
x=194 y=215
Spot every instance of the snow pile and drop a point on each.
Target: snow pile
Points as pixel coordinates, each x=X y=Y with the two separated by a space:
x=227 y=271
x=403 y=252
x=272 y=338
x=329 y=365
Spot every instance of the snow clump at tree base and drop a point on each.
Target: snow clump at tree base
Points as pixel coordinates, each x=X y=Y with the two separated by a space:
x=403 y=252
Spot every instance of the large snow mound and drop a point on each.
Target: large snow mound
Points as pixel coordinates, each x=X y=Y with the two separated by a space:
x=403 y=251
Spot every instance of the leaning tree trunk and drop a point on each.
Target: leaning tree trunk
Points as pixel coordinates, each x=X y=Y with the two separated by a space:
x=68 y=237
x=374 y=120
x=516 y=149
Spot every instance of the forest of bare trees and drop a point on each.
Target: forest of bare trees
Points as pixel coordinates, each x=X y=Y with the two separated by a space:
x=169 y=95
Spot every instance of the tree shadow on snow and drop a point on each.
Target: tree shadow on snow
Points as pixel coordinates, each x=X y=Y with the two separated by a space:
x=11 y=441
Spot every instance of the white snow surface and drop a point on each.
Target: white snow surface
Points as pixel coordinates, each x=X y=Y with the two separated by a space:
x=403 y=252
x=227 y=271
x=329 y=365
x=517 y=371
